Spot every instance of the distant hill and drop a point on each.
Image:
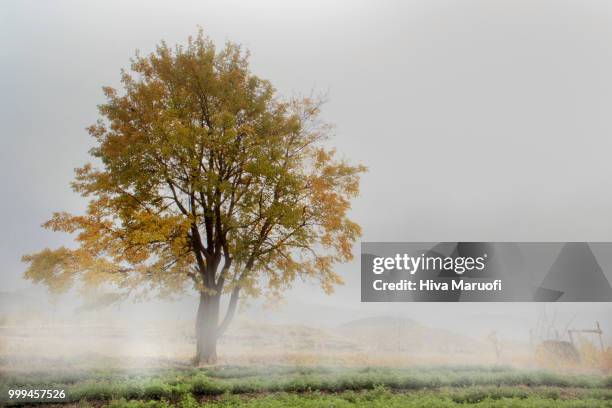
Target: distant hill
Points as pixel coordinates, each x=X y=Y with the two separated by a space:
x=380 y=321
x=387 y=333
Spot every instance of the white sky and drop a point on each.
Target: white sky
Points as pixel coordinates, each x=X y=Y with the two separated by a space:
x=479 y=120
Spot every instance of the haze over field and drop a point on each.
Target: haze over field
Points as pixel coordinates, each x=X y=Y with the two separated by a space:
x=470 y=132
x=161 y=334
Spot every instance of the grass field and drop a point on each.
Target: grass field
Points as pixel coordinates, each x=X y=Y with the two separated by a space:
x=289 y=386
x=398 y=364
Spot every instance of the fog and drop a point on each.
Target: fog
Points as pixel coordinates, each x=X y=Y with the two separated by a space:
x=478 y=121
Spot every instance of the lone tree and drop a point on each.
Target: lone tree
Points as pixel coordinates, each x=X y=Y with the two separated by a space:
x=205 y=179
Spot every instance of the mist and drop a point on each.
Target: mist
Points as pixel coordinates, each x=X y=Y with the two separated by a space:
x=477 y=121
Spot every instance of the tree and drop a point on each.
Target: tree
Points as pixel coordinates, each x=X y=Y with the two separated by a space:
x=205 y=179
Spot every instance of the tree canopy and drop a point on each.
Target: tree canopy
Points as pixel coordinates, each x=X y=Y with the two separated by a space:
x=204 y=178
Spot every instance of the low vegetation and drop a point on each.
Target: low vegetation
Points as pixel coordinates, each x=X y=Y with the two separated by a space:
x=442 y=386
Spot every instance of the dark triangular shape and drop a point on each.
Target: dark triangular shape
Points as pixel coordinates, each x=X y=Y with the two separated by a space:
x=577 y=274
x=546 y=295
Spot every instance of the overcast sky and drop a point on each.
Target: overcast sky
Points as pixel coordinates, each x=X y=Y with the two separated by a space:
x=479 y=120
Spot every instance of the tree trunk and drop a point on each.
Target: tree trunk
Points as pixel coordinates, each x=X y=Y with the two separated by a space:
x=207 y=322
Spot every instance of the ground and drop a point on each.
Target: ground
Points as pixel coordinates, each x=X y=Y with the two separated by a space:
x=301 y=386
x=365 y=363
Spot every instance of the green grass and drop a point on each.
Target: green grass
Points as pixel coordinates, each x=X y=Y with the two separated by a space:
x=322 y=386
x=382 y=397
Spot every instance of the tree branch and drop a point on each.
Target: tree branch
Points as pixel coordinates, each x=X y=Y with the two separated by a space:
x=231 y=311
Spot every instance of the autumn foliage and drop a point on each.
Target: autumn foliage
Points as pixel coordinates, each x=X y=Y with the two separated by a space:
x=204 y=179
